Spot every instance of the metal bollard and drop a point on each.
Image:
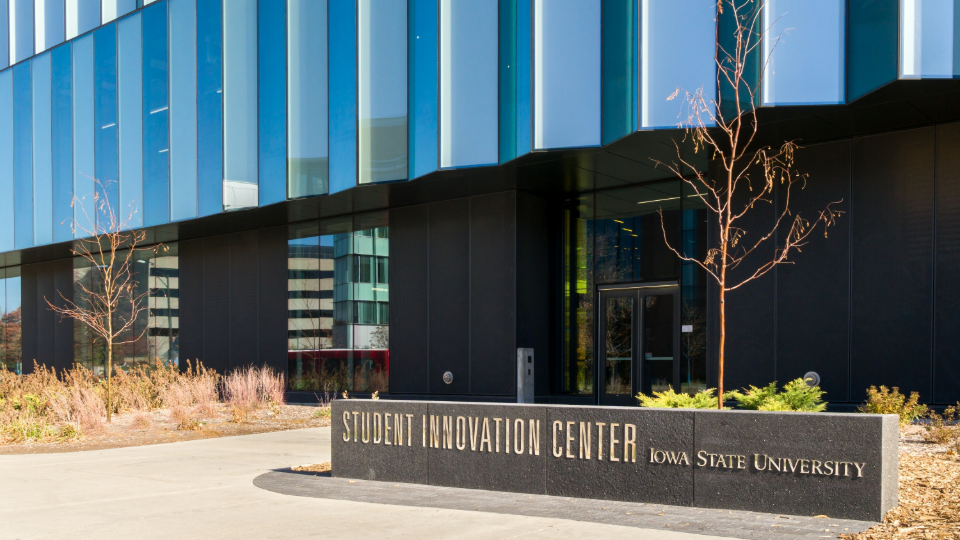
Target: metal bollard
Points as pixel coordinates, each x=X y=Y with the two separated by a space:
x=524 y=375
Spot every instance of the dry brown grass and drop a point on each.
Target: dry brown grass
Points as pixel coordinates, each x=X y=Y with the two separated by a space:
x=316 y=467
x=249 y=388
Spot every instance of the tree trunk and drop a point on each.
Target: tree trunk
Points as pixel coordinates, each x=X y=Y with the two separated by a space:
x=723 y=340
x=109 y=369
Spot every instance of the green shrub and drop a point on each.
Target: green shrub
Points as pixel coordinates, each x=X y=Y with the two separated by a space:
x=672 y=400
x=795 y=396
x=884 y=401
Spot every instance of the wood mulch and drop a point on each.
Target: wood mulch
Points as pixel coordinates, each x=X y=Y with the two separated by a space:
x=161 y=426
x=929 y=493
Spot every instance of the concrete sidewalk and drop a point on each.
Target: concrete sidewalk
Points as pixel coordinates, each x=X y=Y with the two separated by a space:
x=204 y=489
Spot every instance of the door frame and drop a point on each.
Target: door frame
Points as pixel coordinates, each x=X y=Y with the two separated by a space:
x=638 y=291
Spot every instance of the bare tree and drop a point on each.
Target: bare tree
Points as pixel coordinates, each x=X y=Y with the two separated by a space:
x=746 y=174
x=107 y=304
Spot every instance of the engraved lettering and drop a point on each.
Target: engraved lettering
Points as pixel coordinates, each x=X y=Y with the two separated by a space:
x=365 y=427
x=377 y=425
x=506 y=442
x=447 y=442
x=518 y=436
x=756 y=462
x=828 y=467
x=346 y=426
x=569 y=438
x=355 y=415
x=474 y=428
x=557 y=450
x=600 y=440
x=651 y=455
x=497 y=422
x=424 y=431
x=630 y=442
x=534 y=446
x=461 y=433
x=702 y=456
x=585 y=440
x=804 y=463
x=771 y=464
x=409 y=430
x=791 y=464
x=815 y=467
x=485 y=435
x=613 y=442
x=683 y=459
x=436 y=424
x=741 y=462
x=859 y=467
x=386 y=429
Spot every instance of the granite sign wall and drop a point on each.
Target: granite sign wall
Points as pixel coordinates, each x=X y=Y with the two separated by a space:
x=840 y=465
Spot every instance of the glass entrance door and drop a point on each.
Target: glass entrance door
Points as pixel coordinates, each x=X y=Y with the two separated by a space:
x=638 y=342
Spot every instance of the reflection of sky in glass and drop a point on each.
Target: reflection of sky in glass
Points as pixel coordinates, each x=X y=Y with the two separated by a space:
x=49 y=23
x=82 y=16
x=240 y=91
x=926 y=38
x=130 y=76
x=21 y=30
x=307 y=95
x=668 y=63
x=807 y=65
x=42 y=152
x=343 y=95
x=6 y=161
x=115 y=8
x=83 y=127
x=566 y=73
x=22 y=156
x=62 y=141
x=183 y=109
x=468 y=82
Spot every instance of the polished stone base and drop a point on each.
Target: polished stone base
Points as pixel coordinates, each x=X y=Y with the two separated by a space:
x=840 y=465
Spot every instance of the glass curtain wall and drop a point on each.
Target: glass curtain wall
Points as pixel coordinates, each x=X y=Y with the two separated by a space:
x=183 y=109
x=10 y=320
x=154 y=336
x=307 y=156
x=338 y=305
x=7 y=242
x=49 y=23
x=130 y=101
x=62 y=142
x=617 y=236
x=21 y=30
x=382 y=92
x=240 y=149
x=209 y=108
x=42 y=151
x=156 y=116
x=927 y=39
x=82 y=16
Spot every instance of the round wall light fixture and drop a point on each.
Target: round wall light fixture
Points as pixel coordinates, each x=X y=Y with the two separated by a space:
x=448 y=377
x=812 y=378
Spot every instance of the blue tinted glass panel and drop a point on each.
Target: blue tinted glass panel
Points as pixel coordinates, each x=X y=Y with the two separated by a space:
x=42 y=152
x=82 y=16
x=619 y=76
x=4 y=34
x=83 y=132
x=49 y=23
x=524 y=76
x=343 y=95
x=567 y=73
x=131 y=121
x=6 y=162
x=422 y=71
x=156 y=116
x=183 y=109
x=668 y=63
x=111 y=9
x=62 y=141
x=240 y=105
x=13 y=301
x=272 y=97
x=468 y=82
x=926 y=38
x=307 y=97
x=105 y=113
x=209 y=108
x=382 y=80
x=508 y=80
x=806 y=66
x=872 y=45
x=22 y=156
x=21 y=30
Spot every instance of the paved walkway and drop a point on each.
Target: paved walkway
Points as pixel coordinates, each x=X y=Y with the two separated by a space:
x=204 y=489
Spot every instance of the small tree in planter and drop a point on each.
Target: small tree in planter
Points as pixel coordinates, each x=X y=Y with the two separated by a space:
x=726 y=129
x=107 y=304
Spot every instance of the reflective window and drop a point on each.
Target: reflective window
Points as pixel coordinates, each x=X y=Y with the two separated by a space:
x=49 y=22
x=183 y=109
x=272 y=100
x=209 y=108
x=105 y=112
x=156 y=117
x=343 y=95
x=42 y=152
x=566 y=73
x=926 y=38
x=668 y=63
x=83 y=132
x=619 y=69
x=6 y=162
x=4 y=33
x=10 y=320
x=62 y=142
x=577 y=365
x=154 y=335
x=422 y=48
x=382 y=95
x=21 y=30
x=22 y=156
x=806 y=66
x=240 y=151
x=131 y=121
x=82 y=16
x=468 y=83
x=515 y=78
x=307 y=97
x=111 y=9
x=338 y=305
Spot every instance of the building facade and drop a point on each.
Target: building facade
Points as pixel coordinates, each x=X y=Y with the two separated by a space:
x=396 y=195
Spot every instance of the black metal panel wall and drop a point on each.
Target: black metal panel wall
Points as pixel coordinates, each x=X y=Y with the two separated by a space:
x=493 y=291
x=30 y=347
x=892 y=254
x=216 y=302
x=813 y=294
x=409 y=310
x=449 y=296
x=46 y=338
x=191 y=301
x=63 y=283
x=243 y=286
x=272 y=308
x=535 y=284
x=46 y=318
x=946 y=365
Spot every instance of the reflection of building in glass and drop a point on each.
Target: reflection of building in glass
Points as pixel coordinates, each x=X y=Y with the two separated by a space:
x=338 y=308
x=10 y=320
